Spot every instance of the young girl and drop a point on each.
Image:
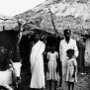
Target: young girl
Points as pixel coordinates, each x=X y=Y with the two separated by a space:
x=52 y=65
x=71 y=69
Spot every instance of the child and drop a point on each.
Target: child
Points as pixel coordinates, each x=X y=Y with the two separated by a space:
x=52 y=65
x=71 y=69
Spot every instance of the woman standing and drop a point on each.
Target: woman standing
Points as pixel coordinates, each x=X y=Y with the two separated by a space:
x=37 y=65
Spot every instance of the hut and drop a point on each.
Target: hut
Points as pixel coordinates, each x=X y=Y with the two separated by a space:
x=51 y=18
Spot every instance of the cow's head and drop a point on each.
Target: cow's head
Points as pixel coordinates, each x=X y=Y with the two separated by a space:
x=17 y=70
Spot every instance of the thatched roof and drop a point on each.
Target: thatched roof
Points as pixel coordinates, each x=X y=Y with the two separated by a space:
x=74 y=15
x=7 y=23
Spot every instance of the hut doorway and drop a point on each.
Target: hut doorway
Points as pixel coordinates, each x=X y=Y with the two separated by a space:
x=24 y=47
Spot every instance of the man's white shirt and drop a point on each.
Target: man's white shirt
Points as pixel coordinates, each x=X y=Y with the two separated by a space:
x=64 y=46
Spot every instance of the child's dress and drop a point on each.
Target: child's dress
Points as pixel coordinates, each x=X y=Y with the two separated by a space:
x=70 y=70
x=52 y=65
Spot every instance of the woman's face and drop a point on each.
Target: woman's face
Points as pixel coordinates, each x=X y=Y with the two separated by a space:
x=36 y=38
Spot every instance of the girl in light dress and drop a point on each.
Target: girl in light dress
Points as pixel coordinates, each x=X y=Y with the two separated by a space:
x=52 y=76
x=71 y=77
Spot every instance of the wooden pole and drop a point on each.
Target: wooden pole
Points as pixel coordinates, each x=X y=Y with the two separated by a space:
x=53 y=23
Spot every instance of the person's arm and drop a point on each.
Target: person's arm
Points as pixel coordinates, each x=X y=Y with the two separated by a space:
x=75 y=66
x=48 y=56
x=57 y=60
x=60 y=50
x=76 y=50
x=74 y=71
x=57 y=55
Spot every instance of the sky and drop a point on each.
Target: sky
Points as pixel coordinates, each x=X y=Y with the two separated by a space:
x=13 y=7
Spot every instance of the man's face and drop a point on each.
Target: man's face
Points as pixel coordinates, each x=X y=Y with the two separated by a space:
x=67 y=34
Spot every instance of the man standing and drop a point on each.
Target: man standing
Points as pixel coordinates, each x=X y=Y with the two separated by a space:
x=65 y=44
x=37 y=65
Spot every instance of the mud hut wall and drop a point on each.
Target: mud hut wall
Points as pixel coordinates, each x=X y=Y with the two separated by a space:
x=25 y=49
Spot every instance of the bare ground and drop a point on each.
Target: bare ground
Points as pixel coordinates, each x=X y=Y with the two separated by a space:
x=82 y=84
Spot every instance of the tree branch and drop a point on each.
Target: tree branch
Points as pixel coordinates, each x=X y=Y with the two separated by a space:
x=53 y=23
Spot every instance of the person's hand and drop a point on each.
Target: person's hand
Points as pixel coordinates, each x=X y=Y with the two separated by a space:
x=44 y=53
x=73 y=75
x=74 y=56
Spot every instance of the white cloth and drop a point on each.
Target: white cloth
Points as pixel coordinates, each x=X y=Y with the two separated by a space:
x=64 y=46
x=70 y=69
x=37 y=65
x=87 y=52
x=52 y=65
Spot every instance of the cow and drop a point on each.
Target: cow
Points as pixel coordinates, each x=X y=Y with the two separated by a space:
x=9 y=57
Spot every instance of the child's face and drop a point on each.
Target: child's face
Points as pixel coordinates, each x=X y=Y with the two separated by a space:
x=69 y=55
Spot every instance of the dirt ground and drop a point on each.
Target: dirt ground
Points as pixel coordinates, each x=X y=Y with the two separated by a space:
x=82 y=84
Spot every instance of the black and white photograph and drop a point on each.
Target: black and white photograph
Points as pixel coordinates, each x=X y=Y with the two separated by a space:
x=44 y=44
